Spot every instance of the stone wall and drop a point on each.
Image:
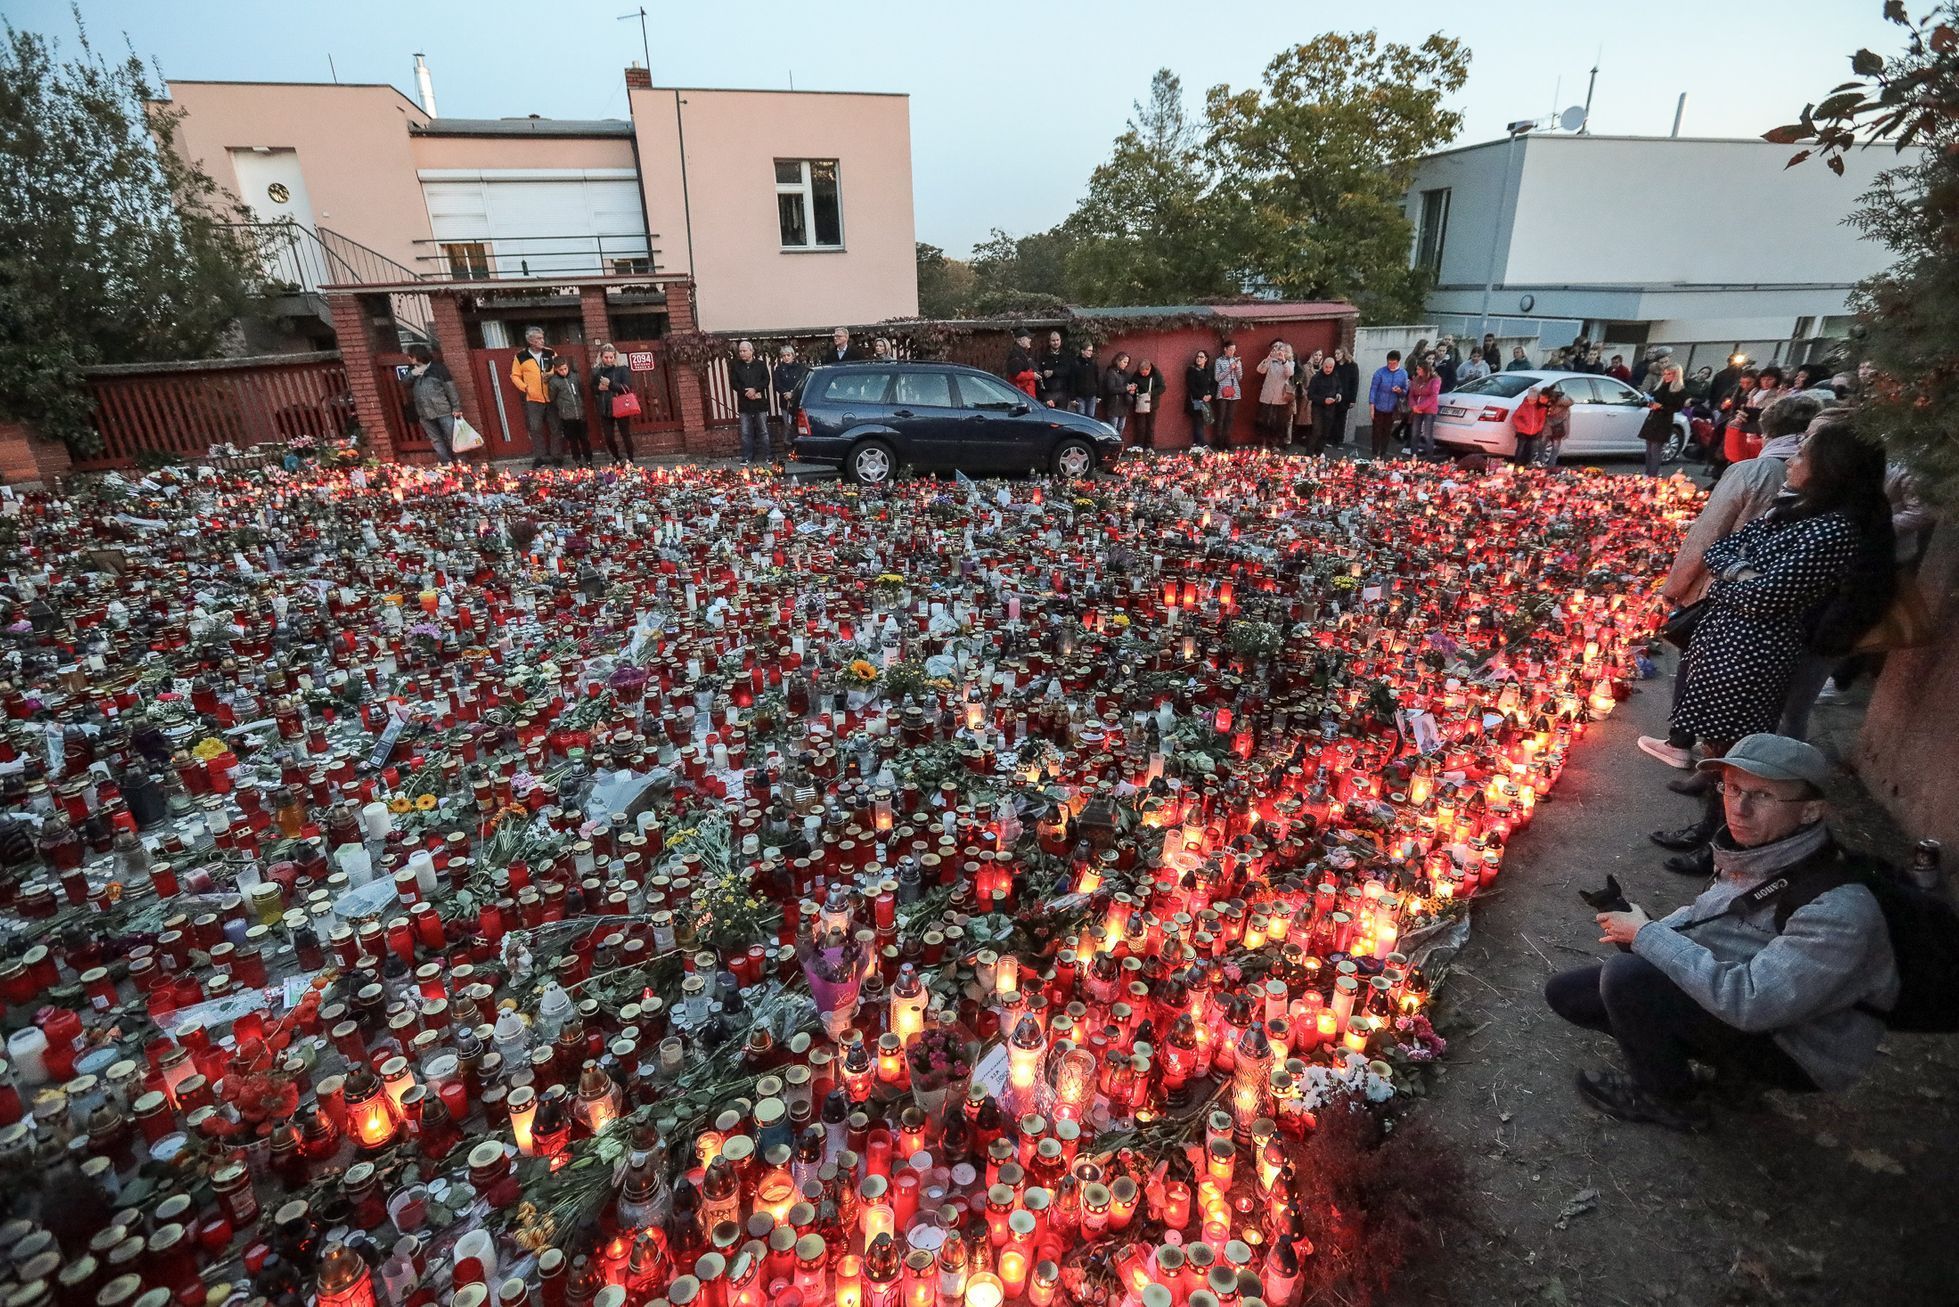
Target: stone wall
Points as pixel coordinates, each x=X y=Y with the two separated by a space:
x=1908 y=751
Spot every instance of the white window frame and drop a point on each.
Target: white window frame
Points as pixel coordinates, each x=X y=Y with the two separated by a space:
x=806 y=189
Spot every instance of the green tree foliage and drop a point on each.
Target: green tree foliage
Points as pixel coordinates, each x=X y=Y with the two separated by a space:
x=113 y=249
x=945 y=285
x=1318 y=161
x=1036 y=263
x=1907 y=316
x=1151 y=229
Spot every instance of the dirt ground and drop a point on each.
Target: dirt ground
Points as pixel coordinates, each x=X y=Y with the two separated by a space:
x=1849 y=1199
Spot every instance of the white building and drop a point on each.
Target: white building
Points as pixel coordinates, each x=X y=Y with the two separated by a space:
x=1713 y=245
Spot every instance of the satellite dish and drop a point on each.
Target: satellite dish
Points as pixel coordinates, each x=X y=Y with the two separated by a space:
x=1573 y=118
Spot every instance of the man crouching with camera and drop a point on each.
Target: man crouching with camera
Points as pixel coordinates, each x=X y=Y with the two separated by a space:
x=1779 y=972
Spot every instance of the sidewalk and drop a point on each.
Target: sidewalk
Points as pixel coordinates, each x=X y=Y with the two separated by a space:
x=1811 y=1200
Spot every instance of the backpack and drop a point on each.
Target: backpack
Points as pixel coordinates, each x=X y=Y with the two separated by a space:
x=1923 y=925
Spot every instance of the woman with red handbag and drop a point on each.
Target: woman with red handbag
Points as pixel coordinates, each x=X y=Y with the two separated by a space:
x=612 y=386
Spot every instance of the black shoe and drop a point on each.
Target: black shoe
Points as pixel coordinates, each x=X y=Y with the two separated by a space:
x=1686 y=837
x=1693 y=786
x=1698 y=863
x=1619 y=1097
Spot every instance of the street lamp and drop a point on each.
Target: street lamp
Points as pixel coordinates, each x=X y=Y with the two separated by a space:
x=1517 y=130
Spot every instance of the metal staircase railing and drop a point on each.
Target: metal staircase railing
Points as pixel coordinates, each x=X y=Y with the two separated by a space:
x=298 y=260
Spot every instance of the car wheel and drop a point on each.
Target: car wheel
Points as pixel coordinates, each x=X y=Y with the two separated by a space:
x=1675 y=443
x=872 y=464
x=1073 y=458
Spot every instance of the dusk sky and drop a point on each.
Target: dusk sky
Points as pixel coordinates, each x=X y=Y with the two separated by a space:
x=1011 y=106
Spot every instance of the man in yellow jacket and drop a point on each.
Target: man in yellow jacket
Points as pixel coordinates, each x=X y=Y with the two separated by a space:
x=528 y=373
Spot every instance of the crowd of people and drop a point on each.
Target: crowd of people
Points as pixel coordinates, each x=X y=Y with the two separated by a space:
x=1781 y=971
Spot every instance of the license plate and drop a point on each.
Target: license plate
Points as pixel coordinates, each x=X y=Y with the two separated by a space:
x=1449 y=411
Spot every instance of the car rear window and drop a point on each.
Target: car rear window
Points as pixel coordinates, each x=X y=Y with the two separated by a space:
x=1502 y=385
x=856 y=387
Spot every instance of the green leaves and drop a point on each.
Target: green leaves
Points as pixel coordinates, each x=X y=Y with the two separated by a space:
x=113 y=249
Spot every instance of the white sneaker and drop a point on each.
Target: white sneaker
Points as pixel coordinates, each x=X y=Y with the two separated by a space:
x=1655 y=746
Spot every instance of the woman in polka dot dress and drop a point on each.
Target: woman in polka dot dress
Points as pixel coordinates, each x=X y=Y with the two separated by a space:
x=1768 y=576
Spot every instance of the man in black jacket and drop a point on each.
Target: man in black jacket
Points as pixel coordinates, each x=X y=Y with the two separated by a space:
x=787 y=374
x=841 y=350
x=1055 y=366
x=750 y=378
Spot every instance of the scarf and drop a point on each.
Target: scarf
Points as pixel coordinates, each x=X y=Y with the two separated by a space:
x=1782 y=447
x=1752 y=866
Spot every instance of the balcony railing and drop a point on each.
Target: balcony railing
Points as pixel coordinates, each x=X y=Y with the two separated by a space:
x=520 y=258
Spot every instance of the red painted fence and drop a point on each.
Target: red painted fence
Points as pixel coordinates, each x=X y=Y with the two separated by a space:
x=182 y=409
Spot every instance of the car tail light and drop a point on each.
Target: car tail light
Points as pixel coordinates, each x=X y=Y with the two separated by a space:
x=802 y=422
x=1493 y=414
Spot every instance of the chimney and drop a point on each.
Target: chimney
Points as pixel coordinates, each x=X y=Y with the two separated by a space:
x=425 y=85
x=637 y=78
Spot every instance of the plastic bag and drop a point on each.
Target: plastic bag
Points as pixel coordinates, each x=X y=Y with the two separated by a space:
x=465 y=437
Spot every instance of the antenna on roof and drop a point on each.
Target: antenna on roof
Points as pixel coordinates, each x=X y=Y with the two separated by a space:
x=644 y=47
x=1585 y=127
x=332 y=69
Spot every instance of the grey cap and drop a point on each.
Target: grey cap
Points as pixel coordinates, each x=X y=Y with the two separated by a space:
x=1775 y=758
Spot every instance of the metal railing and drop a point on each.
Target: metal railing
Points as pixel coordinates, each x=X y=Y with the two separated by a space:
x=516 y=258
x=298 y=260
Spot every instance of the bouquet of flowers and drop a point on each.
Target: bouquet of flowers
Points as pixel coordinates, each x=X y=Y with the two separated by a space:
x=938 y=1064
x=834 y=965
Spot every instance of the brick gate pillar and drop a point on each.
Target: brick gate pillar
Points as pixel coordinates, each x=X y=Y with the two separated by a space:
x=353 y=326
x=452 y=343
x=598 y=321
x=689 y=391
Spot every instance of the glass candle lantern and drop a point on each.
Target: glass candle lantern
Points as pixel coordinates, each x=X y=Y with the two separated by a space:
x=371 y=1114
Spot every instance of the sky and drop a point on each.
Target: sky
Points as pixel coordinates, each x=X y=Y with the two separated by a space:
x=1012 y=106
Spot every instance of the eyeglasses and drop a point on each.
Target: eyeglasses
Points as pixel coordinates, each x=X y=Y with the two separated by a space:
x=1753 y=798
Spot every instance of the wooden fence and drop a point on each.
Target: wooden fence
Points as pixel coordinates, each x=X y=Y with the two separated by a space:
x=183 y=409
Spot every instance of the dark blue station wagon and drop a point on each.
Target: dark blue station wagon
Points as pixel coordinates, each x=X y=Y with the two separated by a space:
x=870 y=419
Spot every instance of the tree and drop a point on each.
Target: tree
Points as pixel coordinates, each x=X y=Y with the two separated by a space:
x=1907 y=317
x=1150 y=229
x=113 y=248
x=1318 y=162
x=1035 y=263
x=945 y=285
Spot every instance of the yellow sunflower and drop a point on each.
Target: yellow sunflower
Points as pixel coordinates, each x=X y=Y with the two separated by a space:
x=399 y=805
x=425 y=803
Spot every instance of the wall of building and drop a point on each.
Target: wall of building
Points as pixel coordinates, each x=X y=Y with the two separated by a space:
x=479 y=152
x=727 y=198
x=352 y=144
x=1623 y=210
x=1478 y=209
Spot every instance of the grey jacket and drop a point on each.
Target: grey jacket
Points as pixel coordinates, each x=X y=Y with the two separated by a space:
x=435 y=393
x=1801 y=986
x=567 y=395
x=1743 y=494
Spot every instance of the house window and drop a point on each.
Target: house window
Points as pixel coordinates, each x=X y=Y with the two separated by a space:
x=809 y=206
x=468 y=260
x=1434 y=229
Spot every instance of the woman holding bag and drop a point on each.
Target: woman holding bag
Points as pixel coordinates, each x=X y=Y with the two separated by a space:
x=438 y=404
x=612 y=386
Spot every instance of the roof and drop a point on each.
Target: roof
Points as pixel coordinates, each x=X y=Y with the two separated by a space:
x=1259 y=310
x=1529 y=137
x=523 y=127
x=338 y=86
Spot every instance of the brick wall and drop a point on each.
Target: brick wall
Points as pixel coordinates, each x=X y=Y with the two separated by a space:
x=689 y=392
x=25 y=457
x=350 y=325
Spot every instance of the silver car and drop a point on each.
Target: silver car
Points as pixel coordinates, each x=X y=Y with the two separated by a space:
x=1606 y=415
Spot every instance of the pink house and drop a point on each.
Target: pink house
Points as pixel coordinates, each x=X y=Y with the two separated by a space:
x=787 y=210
